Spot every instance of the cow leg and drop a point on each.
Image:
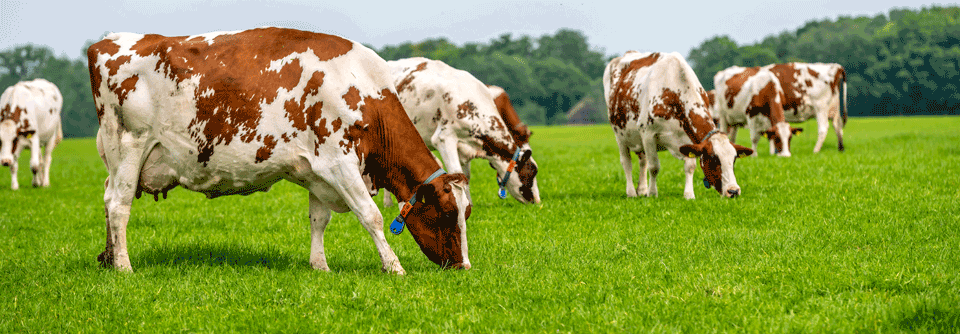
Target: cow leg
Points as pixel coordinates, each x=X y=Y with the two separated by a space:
x=689 y=167
x=627 y=162
x=732 y=133
x=48 y=157
x=13 y=171
x=319 y=218
x=465 y=165
x=35 y=163
x=118 y=198
x=359 y=201
x=838 y=129
x=755 y=139
x=642 y=178
x=652 y=164
x=823 y=124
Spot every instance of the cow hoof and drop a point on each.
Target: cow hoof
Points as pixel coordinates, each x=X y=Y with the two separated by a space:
x=689 y=196
x=398 y=270
x=321 y=267
x=14 y=186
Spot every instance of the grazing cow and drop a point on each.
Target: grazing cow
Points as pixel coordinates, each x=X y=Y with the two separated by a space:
x=752 y=97
x=30 y=118
x=814 y=90
x=456 y=115
x=655 y=102
x=229 y=113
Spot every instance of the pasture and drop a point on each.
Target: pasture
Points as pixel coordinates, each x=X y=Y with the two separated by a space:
x=860 y=241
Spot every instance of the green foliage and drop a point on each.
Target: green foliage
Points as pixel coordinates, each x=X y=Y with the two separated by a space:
x=903 y=63
x=553 y=72
x=863 y=241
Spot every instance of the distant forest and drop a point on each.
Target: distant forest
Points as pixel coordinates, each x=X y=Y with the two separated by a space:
x=902 y=63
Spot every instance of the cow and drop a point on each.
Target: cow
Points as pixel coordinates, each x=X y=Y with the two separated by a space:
x=711 y=99
x=655 y=102
x=752 y=97
x=226 y=113
x=30 y=118
x=456 y=115
x=814 y=90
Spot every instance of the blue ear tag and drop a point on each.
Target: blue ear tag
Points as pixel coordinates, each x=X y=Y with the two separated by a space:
x=502 y=193
x=396 y=227
x=706 y=183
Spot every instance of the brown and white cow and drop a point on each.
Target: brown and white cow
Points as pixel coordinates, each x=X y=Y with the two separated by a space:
x=30 y=118
x=655 y=102
x=814 y=90
x=752 y=97
x=229 y=113
x=456 y=115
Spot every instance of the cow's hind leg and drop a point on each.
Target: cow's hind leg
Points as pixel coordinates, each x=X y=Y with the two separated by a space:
x=319 y=218
x=652 y=164
x=13 y=173
x=118 y=199
x=627 y=162
x=823 y=124
x=48 y=157
x=642 y=178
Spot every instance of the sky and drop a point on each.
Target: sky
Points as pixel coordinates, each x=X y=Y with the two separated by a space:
x=610 y=26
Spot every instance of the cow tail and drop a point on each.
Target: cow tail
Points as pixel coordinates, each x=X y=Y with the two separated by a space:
x=843 y=97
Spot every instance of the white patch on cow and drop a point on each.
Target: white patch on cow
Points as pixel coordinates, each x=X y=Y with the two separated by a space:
x=209 y=37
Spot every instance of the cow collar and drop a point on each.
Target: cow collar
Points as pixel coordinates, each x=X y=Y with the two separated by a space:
x=712 y=132
x=396 y=227
x=502 y=193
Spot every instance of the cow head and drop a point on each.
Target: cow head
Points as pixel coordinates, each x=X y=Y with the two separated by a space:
x=781 y=134
x=438 y=220
x=522 y=181
x=717 y=157
x=10 y=137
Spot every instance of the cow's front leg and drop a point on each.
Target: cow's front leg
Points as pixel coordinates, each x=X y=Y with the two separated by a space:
x=465 y=165
x=348 y=183
x=35 y=163
x=689 y=167
x=387 y=198
x=48 y=158
x=319 y=218
x=13 y=173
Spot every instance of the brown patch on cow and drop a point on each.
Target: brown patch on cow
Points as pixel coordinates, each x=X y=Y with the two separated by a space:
x=113 y=65
x=496 y=125
x=6 y=112
x=793 y=91
x=447 y=98
x=496 y=148
x=437 y=116
x=671 y=106
x=623 y=99
x=519 y=130
x=124 y=88
x=838 y=78
x=467 y=109
x=711 y=96
x=736 y=82
x=352 y=98
x=337 y=123
x=813 y=73
x=295 y=113
x=409 y=78
x=265 y=151
x=764 y=103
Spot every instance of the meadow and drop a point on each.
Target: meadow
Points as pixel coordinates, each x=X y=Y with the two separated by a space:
x=860 y=241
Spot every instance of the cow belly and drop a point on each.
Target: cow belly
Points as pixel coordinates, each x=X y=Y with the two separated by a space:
x=163 y=170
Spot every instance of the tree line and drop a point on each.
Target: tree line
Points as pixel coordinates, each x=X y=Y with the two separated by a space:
x=904 y=62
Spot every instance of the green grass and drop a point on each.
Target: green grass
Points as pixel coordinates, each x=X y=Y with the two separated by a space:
x=861 y=241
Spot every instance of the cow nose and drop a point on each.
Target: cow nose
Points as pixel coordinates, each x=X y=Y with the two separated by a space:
x=733 y=193
x=6 y=163
x=462 y=266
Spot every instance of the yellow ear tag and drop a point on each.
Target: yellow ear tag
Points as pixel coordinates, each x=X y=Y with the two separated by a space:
x=29 y=135
x=741 y=155
x=691 y=155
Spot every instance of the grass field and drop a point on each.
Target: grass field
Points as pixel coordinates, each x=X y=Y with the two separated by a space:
x=861 y=241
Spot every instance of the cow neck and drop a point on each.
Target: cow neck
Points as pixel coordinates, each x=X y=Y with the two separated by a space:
x=700 y=124
x=401 y=153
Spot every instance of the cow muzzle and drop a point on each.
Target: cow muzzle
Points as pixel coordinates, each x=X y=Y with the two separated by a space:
x=6 y=162
x=732 y=192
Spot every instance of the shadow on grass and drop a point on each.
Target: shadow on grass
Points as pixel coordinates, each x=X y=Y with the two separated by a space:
x=215 y=255
x=936 y=319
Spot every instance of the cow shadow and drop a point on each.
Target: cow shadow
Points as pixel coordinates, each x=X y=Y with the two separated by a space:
x=214 y=255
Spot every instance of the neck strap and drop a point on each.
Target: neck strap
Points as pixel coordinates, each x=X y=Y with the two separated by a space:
x=502 y=193
x=396 y=227
x=712 y=132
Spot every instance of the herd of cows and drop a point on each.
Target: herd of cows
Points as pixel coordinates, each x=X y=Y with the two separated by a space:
x=229 y=113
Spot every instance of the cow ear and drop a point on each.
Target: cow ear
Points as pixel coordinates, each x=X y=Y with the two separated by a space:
x=526 y=155
x=769 y=133
x=742 y=151
x=691 y=150
x=28 y=133
x=796 y=130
